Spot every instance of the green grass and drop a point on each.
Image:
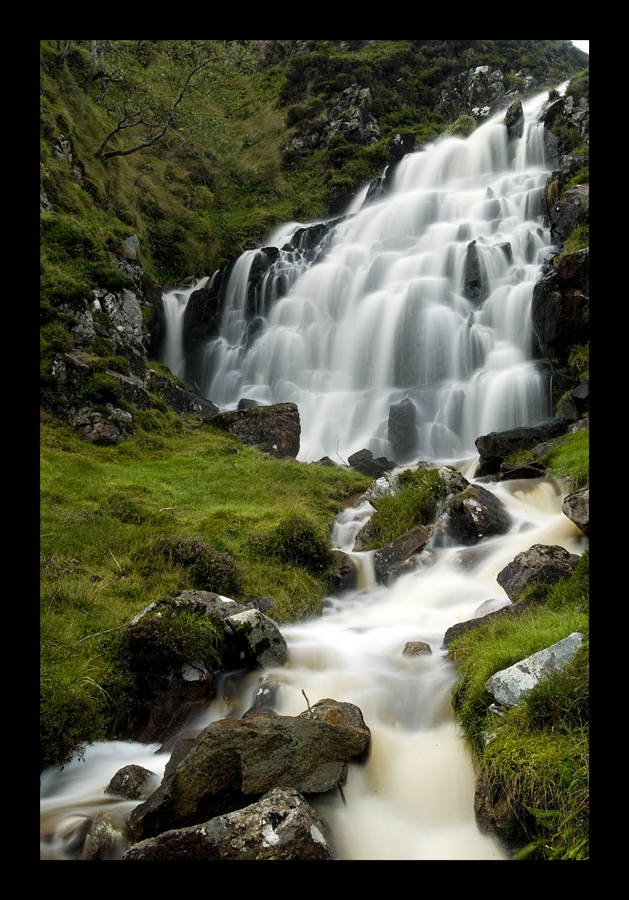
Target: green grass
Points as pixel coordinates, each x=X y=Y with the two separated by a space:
x=536 y=755
x=108 y=512
x=414 y=504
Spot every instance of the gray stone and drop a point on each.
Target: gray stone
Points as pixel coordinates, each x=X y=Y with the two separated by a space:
x=510 y=686
x=260 y=637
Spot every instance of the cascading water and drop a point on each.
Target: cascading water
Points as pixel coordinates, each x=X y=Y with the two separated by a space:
x=424 y=295
x=381 y=317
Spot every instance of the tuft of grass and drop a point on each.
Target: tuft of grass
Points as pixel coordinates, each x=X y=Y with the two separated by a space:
x=570 y=457
x=414 y=504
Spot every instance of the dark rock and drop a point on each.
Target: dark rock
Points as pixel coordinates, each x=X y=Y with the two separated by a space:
x=363 y=461
x=234 y=762
x=108 y=837
x=515 y=609
x=260 y=638
x=274 y=429
x=281 y=825
x=264 y=699
x=514 y=120
x=474 y=283
x=400 y=550
x=560 y=309
x=540 y=564
x=473 y=514
x=493 y=447
x=403 y=429
x=345 y=574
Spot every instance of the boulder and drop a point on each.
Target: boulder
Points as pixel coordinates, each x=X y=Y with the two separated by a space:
x=363 y=461
x=387 y=560
x=516 y=609
x=540 y=564
x=493 y=447
x=133 y=783
x=473 y=514
x=281 y=825
x=510 y=686
x=234 y=762
x=514 y=120
x=107 y=837
x=577 y=507
x=261 y=639
x=275 y=429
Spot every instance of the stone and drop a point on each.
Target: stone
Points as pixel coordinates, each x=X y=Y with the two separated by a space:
x=400 y=550
x=234 y=762
x=281 y=825
x=416 y=648
x=473 y=514
x=540 y=564
x=510 y=686
x=260 y=637
x=577 y=507
x=133 y=783
x=274 y=429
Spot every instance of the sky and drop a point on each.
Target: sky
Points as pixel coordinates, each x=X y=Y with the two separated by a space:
x=582 y=45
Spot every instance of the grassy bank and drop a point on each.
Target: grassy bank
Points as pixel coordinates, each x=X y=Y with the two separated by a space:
x=116 y=523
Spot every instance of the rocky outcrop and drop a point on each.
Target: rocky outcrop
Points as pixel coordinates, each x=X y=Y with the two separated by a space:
x=561 y=306
x=281 y=825
x=495 y=446
x=235 y=762
x=274 y=429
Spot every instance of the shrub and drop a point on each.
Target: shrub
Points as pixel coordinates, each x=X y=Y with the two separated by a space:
x=68 y=720
x=296 y=540
x=210 y=570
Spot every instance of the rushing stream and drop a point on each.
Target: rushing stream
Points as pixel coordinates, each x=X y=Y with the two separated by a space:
x=386 y=315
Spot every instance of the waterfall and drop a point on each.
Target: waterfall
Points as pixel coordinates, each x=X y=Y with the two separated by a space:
x=424 y=295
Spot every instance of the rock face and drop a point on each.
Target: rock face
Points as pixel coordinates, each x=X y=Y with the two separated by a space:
x=281 y=825
x=274 y=429
x=541 y=564
x=234 y=762
x=510 y=686
x=561 y=306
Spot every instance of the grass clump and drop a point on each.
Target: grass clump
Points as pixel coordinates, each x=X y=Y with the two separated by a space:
x=415 y=503
x=570 y=456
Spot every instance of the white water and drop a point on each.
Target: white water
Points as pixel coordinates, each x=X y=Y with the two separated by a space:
x=381 y=318
x=413 y=798
x=383 y=315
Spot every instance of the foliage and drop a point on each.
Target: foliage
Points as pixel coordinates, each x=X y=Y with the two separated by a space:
x=298 y=541
x=210 y=569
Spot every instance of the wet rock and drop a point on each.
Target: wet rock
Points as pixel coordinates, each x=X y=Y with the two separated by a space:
x=387 y=559
x=473 y=514
x=234 y=762
x=108 y=838
x=260 y=637
x=416 y=648
x=402 y=432
x=281 y=825
x=133 y=783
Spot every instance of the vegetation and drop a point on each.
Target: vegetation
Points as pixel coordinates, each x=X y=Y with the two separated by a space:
x=414 y=504
x=534 y=756
x=160 y=513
